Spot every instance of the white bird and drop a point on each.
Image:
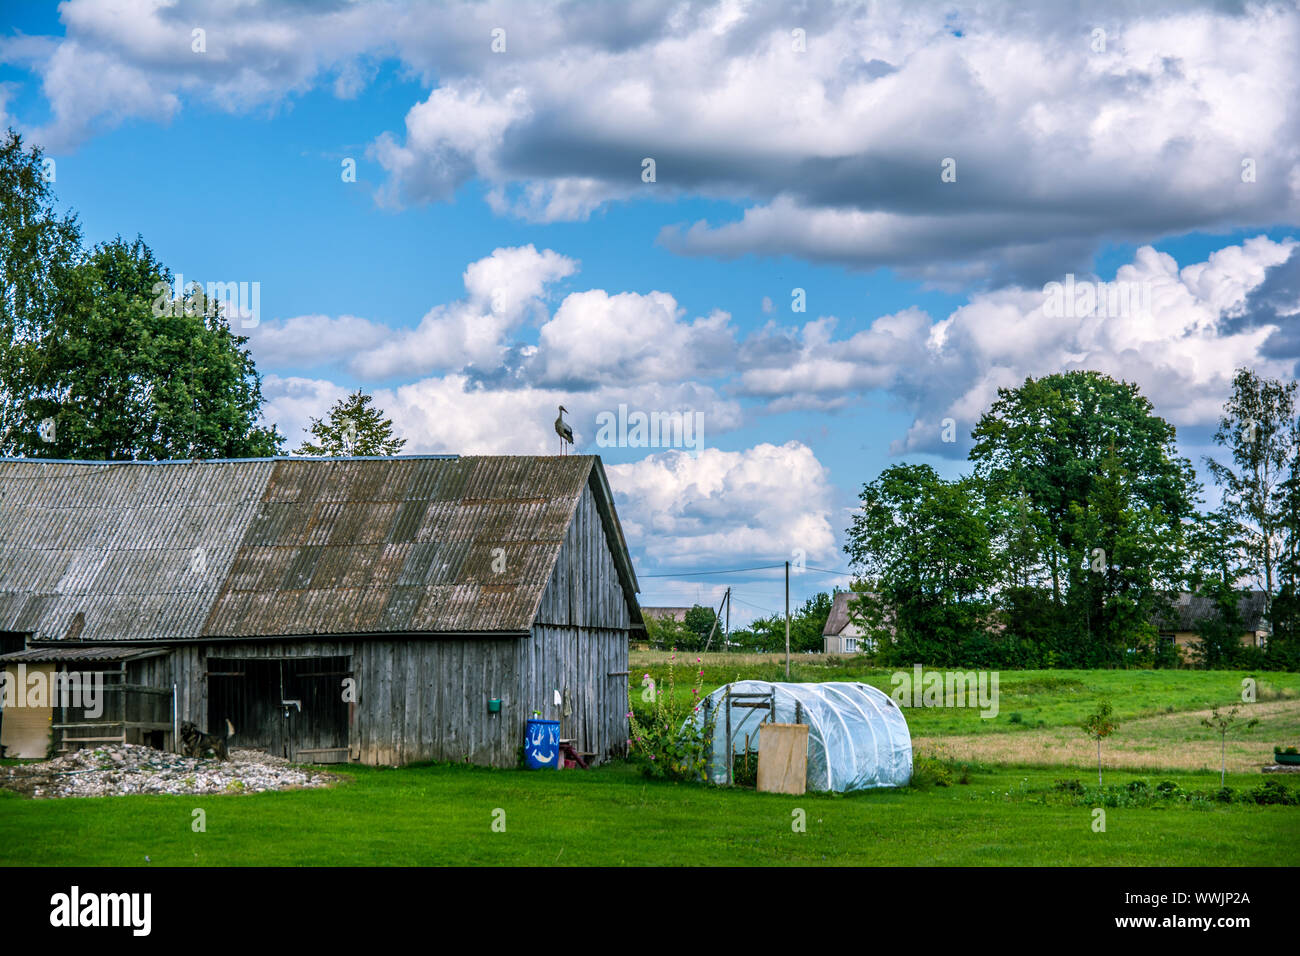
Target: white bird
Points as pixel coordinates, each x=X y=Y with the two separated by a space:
x=563 y=430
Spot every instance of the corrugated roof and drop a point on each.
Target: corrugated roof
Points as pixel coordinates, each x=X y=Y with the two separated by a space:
x=187 y=550
x=40 y=655
x=1188 y=610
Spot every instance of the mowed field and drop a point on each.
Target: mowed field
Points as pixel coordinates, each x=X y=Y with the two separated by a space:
x=998 y=799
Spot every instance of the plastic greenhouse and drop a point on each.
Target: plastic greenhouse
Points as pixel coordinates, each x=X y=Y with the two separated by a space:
x=857 y=736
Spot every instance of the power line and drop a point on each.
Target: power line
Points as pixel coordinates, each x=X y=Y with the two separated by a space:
x=686 y=574
x=809 y=567
x=762 y=567
x=757 y=607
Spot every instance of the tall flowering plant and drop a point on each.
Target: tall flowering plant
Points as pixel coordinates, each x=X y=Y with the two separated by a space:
x=667 y=742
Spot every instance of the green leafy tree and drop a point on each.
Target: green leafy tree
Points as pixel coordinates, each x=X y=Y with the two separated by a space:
x=39 y=252
x=1222 y=724
x=808 y=623
x=1099 y=725
x=767 y=634
x=926 y=544
x=666 y=632
x=1259 y=429
x=1283 y=648
x=352 y=427
x=1022 y=594
x=764 y=635
x=124 y=373
x=1076 y=464
x=699 y=622
x=1119 y=584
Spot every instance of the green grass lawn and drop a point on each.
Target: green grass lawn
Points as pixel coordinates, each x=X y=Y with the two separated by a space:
x=1006 y=814
x=443 y=814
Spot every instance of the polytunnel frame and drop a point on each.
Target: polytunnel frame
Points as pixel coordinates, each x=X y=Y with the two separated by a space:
x=822 y=693
x=730 y=735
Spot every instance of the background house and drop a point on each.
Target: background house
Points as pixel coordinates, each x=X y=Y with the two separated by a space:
x=842 y=635
x=375 y=610
x=1188 y=609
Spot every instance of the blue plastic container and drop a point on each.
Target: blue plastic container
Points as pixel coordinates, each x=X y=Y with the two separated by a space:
x=542 y=744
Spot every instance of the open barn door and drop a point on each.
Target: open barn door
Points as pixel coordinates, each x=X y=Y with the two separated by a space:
x=316 y=713
x=291 y=707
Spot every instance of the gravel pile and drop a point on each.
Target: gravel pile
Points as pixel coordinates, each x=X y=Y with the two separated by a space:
x=127 y=768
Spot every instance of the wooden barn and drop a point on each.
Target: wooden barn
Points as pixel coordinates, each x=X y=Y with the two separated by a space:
x=380 y=610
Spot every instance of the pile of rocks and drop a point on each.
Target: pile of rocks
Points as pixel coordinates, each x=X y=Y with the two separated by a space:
x=127 y=768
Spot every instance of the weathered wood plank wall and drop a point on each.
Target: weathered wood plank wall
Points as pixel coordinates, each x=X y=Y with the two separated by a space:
x=579 y=640
x=418 y=698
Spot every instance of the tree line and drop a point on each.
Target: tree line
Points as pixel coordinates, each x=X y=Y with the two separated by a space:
x=764 y=635
x=1075 y=528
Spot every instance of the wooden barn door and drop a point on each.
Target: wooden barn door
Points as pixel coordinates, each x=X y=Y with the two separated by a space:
x=246 y=691
x=316 y=715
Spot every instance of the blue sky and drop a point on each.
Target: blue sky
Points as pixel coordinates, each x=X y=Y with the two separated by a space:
x=777 y=169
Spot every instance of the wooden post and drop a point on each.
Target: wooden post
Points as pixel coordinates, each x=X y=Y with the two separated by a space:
x=726 y=702
x=787 y=620
x=726 y=634
x=726 y=599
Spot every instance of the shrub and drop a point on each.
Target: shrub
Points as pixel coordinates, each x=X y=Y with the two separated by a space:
x=930 y=772
x=1274 y=792
x=1139 y=793
x=665 y=743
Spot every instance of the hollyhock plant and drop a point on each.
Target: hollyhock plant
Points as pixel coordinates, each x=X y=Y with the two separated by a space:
x=666 y=741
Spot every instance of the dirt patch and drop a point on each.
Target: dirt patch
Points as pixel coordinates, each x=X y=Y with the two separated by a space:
x=1166 y=742
x=127 y=768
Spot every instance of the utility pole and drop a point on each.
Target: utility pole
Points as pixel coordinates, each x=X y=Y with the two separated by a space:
x=726 y=599
x=726 y=635
x=787 y=620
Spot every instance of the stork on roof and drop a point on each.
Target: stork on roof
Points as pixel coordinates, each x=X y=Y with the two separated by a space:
x=562 y=429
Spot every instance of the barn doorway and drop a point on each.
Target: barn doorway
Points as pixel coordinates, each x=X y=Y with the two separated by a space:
x=292 y=707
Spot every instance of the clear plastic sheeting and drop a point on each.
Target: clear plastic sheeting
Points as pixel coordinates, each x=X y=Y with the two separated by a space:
x=857 y=736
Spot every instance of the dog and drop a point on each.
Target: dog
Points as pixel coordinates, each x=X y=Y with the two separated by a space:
x=195 y=743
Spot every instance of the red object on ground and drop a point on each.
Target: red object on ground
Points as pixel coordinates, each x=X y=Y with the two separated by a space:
x=570 y=756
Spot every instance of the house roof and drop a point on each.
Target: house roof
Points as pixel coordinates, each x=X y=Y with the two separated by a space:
x=838 y=619
x=189 y=550
x=1188 y=609
x=673 y=613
